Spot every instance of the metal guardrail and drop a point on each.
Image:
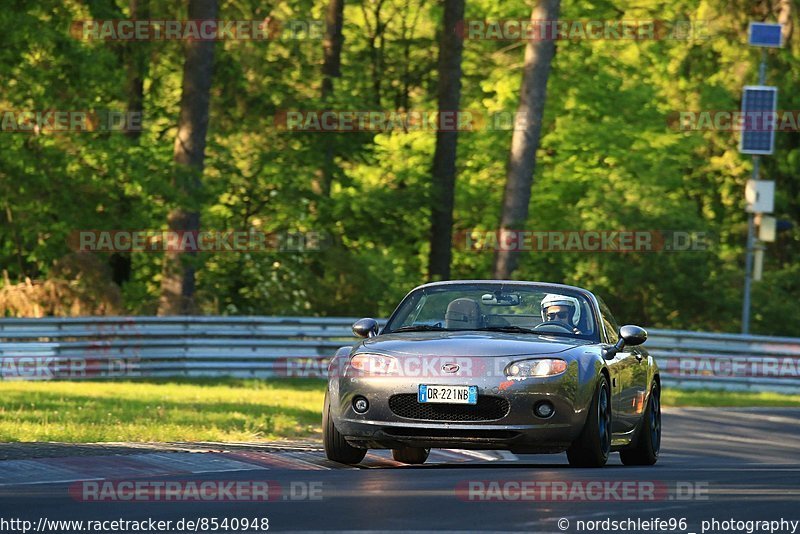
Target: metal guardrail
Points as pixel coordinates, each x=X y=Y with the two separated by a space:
x=258 y=347
x=727 y=361
x=122 y=347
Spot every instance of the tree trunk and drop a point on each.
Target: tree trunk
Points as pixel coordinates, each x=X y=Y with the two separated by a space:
x=525 y=141
x=321 y=182
x=332 y=46
x=784 y=14
x=444 y=157
x=178 y=273
x=331 y=68
x=137 y=64
x=375 y=40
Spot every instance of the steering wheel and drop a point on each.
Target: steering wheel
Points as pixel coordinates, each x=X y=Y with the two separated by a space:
x=557 y=324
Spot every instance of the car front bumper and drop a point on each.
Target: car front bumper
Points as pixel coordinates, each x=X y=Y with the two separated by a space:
x=519 y=430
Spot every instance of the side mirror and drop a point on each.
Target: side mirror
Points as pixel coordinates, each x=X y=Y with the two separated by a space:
x=633 y=335
x=365 y=327
x=628 y=335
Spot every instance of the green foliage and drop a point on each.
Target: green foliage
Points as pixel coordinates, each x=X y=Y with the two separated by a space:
x=608 y=158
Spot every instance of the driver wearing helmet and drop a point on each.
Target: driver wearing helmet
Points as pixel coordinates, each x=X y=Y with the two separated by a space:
x=562 y=310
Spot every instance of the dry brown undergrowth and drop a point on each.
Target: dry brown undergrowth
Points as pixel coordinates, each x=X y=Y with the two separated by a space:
x=78 y=284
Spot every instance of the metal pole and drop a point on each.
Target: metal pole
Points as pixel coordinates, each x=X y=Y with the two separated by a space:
x=748 y=263
x=762 y=68
x=751 y=225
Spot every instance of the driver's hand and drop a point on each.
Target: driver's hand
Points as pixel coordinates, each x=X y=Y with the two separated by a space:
x=576 y=331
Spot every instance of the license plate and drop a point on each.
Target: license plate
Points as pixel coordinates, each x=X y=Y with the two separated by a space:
x=448 y=394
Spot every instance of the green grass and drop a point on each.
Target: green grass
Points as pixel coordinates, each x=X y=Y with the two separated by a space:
x=701 y=398
x=160 y=410
x=211 y=409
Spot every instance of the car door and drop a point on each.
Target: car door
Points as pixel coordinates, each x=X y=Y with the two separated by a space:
x=629 y=378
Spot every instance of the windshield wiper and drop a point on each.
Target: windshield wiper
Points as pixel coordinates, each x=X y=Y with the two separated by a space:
x=418 y=328
x=511 y=328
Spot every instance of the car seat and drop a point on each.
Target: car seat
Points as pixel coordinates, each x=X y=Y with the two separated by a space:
x=463 y=314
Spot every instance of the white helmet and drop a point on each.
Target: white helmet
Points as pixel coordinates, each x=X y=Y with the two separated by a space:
x=560 y=300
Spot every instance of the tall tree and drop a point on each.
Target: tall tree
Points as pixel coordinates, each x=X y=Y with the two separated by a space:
x=539 y=54
x=331 y=68
x=137 y=59
x=784 y=13
x=444 y=158
x=136 y=55
x=332 y=45
x=178 y=271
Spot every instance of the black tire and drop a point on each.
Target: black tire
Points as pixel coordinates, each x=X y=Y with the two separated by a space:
x=648 y=440
x=593 y=446
x=411 y=455
x=336 y=447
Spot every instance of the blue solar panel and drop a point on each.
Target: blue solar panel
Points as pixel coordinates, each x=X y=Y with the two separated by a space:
x=759 y=104
x=763 y=34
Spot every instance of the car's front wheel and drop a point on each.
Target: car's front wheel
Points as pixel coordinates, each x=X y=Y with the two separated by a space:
x=648 y=441
x=411 y=455
x=593 y=446
x=336 y=447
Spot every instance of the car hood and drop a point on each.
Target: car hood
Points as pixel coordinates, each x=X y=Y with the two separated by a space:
x=468 y=343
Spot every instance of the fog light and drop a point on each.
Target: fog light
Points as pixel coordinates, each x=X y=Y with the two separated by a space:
x=360 y=405
x=544 y=409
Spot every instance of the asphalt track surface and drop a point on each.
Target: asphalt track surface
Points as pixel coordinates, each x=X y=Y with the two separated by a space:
x=740 y=464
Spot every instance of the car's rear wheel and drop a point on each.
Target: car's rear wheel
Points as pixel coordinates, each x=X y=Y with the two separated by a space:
x=648 y=441
x=593 y=446
x=336 y=447
x=411 y=455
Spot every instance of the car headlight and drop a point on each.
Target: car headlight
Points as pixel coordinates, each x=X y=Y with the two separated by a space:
x=374 y=364
x=538 y=367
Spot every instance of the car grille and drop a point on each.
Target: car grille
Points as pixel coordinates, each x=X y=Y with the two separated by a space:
x=449 y=433
x=488 y=408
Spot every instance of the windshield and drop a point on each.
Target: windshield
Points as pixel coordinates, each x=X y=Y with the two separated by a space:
x=514 y=308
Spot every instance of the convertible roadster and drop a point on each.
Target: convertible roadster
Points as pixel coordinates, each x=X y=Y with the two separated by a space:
x=521 y=366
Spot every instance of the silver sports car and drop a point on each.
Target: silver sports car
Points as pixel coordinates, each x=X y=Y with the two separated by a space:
x=475 y=364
